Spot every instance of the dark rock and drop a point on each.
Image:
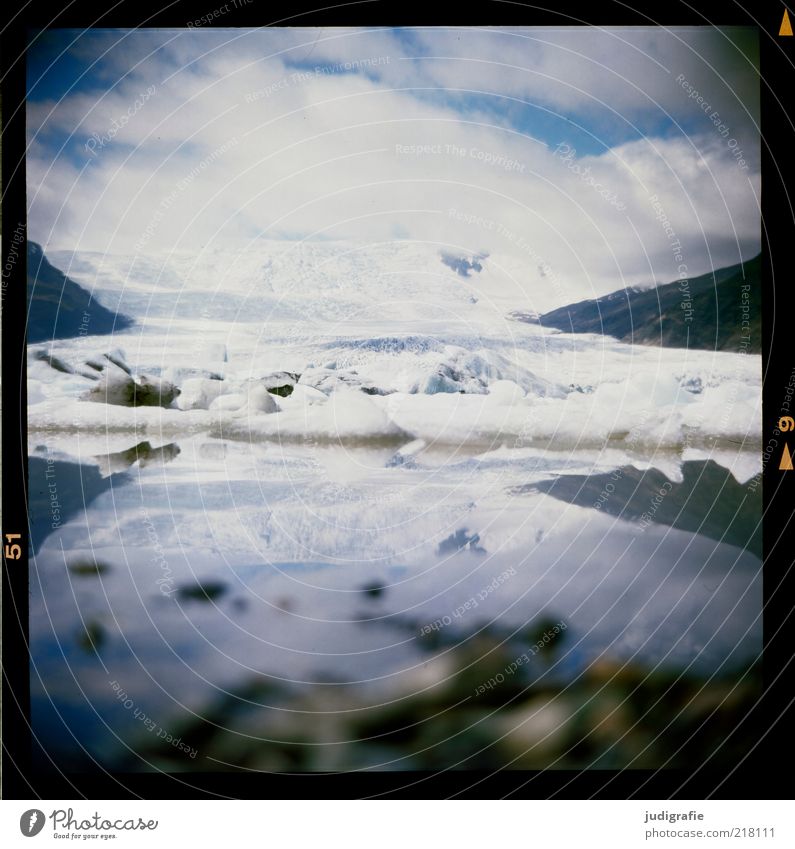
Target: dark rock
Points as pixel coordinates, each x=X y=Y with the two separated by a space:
x=208 y=591
x=113 y=390
x=544 y=635
x=281 y=383
x=92 y=637
x=143 y=453
x=459 y=541
x=477 y=714
x=117 y=359
x=54 y=362
x=281 y=391
x=86 y=568
x=693 y=385
x=462 y=265
x=374 y=590
x=375 y=390
x=66 y=368
x=524 y=316
x=150 y=392
x=122 y=390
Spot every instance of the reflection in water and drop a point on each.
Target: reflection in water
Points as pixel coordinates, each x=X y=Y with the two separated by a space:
x=209 y=591
x=708 y=501
x=88 y=568
x=468 y=713
x=91 y=637
x=143 y=454
x=324 y=610
x=58 y=492
x=459 y=541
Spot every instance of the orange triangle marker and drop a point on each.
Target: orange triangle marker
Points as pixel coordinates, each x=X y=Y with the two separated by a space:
x=786 y=460
x=786 y=26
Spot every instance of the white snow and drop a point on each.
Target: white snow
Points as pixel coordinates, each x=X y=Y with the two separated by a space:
x=422 y=411
x=197 y=393
x=389 y=342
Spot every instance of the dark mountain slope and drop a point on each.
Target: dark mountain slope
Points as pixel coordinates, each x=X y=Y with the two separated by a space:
x=59 y=308
x=714 y=304
x=709 y=501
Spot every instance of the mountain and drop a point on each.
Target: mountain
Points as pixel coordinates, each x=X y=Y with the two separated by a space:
x=78 y=486
x=713 y=302
x=59 y=308
x=730 y=516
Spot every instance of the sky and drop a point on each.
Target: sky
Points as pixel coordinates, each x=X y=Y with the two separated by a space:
x=613 y=157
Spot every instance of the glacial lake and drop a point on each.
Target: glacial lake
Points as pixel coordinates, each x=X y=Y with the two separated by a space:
x=210 y=604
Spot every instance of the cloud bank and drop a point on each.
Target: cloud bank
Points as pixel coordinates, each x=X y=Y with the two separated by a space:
x=611 y=157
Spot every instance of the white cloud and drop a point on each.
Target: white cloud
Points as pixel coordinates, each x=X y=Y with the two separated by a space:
x=235 y=145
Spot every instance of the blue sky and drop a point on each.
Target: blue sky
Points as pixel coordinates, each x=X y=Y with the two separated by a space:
x=64 y=62
x=320 y=117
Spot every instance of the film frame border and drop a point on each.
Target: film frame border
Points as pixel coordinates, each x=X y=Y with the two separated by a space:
x=751 y=779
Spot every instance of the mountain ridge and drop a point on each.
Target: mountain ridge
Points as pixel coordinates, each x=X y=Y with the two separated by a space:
x=712 y=312
x=59 y=308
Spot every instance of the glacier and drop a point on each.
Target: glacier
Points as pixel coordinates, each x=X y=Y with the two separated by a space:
x=435 y=354
x=363 y=442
